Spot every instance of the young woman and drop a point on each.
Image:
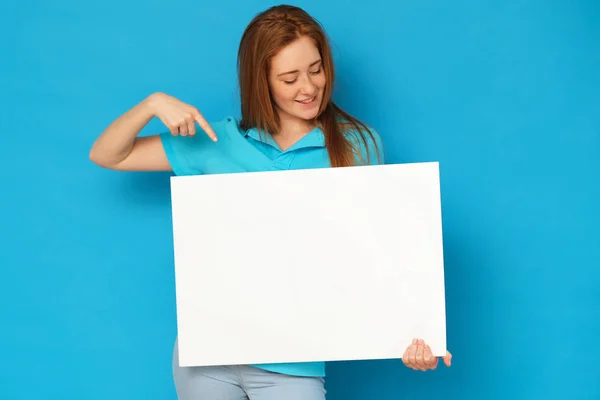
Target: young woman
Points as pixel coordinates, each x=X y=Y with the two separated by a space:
x=288 y=121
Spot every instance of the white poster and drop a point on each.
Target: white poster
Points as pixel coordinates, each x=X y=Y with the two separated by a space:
x=308 y=265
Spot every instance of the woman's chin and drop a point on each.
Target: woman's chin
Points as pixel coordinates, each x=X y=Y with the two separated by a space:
x=307 y=113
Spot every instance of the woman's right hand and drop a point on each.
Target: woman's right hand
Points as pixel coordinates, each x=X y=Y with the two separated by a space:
x=180 y=118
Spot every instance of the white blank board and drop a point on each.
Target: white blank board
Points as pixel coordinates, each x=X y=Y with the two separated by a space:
x=308 y=265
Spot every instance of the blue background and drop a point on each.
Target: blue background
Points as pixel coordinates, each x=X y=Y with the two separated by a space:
x=505 y=94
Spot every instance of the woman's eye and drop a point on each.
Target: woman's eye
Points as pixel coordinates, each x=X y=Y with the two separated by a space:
x=294 y=81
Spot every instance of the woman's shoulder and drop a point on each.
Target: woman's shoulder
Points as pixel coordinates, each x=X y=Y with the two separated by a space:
x=188 y=154
x=223 y=127
x=227 y=125
x=200 y=143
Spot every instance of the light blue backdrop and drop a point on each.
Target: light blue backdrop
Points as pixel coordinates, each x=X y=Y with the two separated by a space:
x=505 y=94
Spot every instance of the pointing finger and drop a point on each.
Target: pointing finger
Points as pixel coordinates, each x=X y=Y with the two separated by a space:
x=204 y=125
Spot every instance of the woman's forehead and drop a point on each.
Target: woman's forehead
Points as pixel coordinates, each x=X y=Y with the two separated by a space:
x=300 y=54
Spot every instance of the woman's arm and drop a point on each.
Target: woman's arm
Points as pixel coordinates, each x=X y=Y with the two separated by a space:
x=119 y=148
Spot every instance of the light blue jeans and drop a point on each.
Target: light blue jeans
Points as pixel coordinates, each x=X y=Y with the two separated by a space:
x=242 y=382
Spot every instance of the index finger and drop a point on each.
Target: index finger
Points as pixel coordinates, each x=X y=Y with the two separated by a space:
x=204 y=125
x=430 y=360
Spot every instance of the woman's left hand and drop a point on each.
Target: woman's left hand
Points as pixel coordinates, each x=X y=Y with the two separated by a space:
x=418 y=356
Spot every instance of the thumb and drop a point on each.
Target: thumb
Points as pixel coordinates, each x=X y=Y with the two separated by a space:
x=448 y=359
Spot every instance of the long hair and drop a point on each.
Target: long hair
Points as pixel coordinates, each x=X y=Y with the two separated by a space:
x=263 y=38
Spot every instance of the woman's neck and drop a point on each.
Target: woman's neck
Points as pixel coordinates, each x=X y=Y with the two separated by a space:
x=291 y=131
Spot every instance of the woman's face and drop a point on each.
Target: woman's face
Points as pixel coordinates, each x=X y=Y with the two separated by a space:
x=297 y=80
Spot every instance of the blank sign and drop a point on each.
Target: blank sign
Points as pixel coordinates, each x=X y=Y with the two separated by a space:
x=308 y=265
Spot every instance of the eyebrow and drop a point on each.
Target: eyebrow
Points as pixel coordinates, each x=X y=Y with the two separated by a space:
x=292 y=72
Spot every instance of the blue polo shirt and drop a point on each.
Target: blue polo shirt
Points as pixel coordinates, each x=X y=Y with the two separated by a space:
x=247 y=151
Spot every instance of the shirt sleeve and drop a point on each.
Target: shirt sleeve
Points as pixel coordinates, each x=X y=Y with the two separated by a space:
x=185 y=152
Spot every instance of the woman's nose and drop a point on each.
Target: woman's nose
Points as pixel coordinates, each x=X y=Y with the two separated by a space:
x=308 y=87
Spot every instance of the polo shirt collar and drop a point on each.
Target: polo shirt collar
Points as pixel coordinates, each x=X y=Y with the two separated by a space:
x=314 y=138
